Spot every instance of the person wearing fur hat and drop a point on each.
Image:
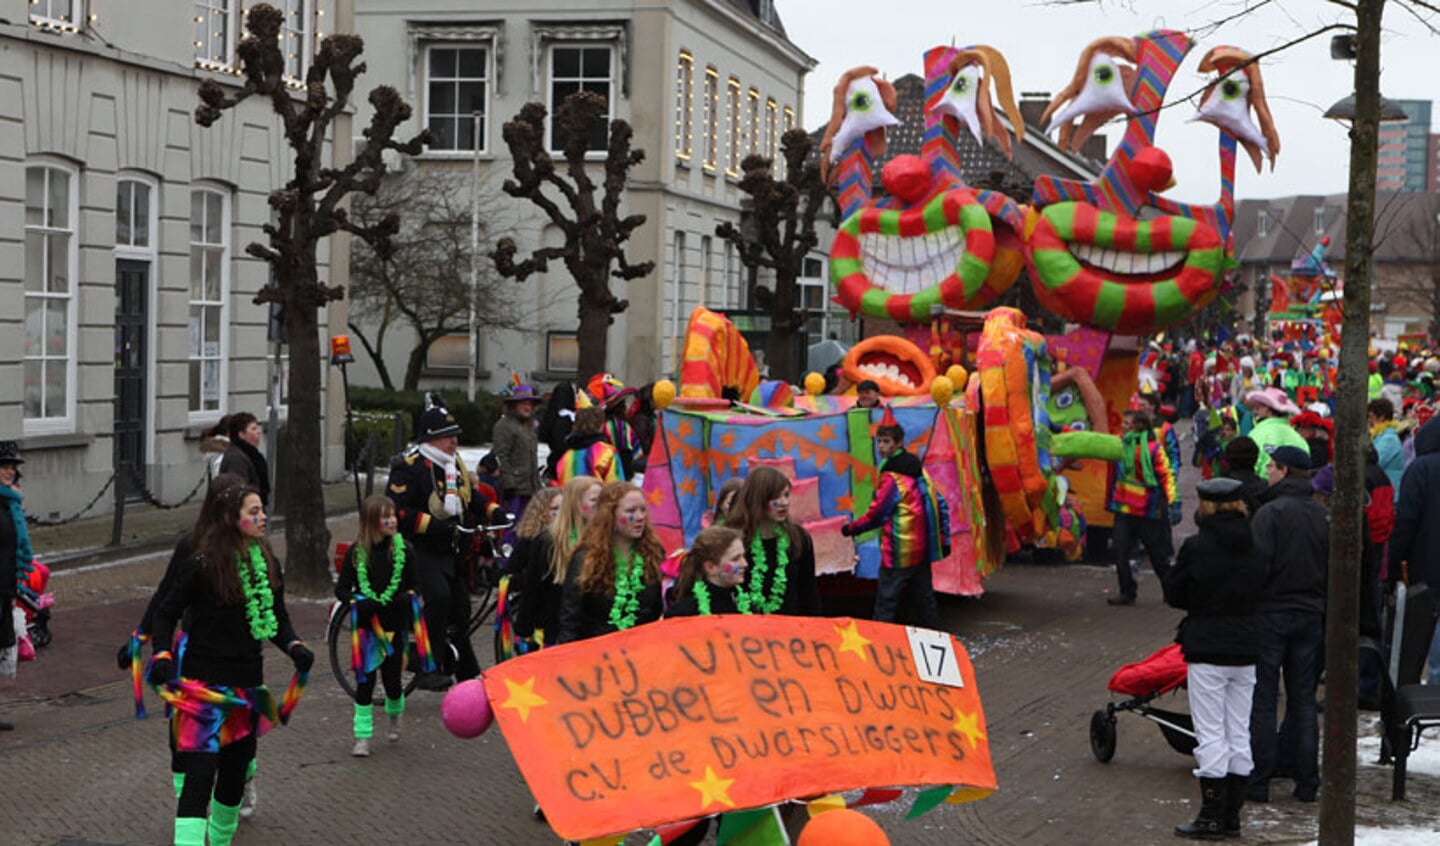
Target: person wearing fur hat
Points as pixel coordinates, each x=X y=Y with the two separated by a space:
x=434 y=495
x=1292 y=536
x=1272 y=410
x=15 y=551
x=1216 y=580
x=516 y=447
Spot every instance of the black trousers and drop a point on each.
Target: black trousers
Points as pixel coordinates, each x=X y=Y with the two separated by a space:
x=908 y=593
x=1154 y=535
x=447 y=616
x=221 y=774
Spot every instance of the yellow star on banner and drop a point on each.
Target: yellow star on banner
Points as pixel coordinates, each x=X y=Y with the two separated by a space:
x=523 y=698
x=969 y=725
x=714 y=790
x=852 y=641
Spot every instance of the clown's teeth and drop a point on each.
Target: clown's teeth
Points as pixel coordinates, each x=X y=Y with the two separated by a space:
x=1124 y=262
x=903 y=265
x=884 y=371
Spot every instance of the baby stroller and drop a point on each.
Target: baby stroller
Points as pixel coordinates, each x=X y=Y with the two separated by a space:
x=32 y=598
x=1143 y=682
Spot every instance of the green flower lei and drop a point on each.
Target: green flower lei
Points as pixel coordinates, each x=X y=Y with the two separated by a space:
x=702 y=598
x=259 y=600
x=753 y=595
x=628 y=577
x=362 y=570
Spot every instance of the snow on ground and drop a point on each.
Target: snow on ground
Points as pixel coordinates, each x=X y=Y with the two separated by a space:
x=1367 y=836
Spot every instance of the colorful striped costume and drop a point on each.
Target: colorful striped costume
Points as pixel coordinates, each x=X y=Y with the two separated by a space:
x=914 y=521
x=598 y=459
x=1131 y=494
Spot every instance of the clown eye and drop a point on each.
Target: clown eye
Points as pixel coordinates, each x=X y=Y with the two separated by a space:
x=1064 y=400
x=1104 y=74
x=960 y=85
x=860 y=102
x=1230 y=89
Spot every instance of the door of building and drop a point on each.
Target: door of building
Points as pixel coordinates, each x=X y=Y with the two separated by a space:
x=132 y=286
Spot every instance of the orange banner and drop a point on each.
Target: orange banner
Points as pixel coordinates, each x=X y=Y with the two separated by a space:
x=701 y=715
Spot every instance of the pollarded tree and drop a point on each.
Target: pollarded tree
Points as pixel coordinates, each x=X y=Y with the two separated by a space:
x=308 y=209
x=595 y=232
x=779 y=236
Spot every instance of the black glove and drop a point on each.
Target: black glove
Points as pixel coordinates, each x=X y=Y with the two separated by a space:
x=122 y=658
x=302 y=656
x=161 y=670
x=846 y=530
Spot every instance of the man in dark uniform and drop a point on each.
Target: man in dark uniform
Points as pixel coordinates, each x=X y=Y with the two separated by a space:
x=435 y=494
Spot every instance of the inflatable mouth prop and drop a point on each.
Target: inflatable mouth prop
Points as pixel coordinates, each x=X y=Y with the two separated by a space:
x=1120 y=274
x=899 y=367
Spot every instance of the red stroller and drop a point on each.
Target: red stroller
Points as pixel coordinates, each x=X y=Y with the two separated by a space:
x=1143 y=682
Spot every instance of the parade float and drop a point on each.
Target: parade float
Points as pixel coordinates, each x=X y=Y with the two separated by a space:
x=655 y=727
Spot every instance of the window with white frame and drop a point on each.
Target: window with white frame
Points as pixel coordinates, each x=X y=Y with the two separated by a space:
x=132 y=215
x=457 y=89
x=707 y=289
x=736 y=131
x=582 y=67
x=812 y=284
x=684 y=105
x=752 y=122
x=209 y=286
x=710 y=121
x=215 y=32
x=58 y=14
x=295 y=37
x=51 y=255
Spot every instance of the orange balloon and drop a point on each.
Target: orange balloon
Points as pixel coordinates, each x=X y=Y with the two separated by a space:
x=842 y=827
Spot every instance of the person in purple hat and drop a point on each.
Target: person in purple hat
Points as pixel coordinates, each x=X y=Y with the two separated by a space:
x=516 y=445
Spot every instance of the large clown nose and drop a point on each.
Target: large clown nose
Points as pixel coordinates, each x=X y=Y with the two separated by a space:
x=1151 y=170
x=906 y=177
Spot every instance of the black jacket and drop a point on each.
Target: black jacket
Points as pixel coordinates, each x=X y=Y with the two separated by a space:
x=1217 y=578
x=246 y=462
x=417 y=485
x=802 y=590
x=220 y=649
x=397 y=615
x=722 y=601
x=1252 y=487
x=9 y=543
x=903 y=462
x=538 y=606
x=178 y=557
x=1416 y=538
x=584 y=615
x=1292 y=536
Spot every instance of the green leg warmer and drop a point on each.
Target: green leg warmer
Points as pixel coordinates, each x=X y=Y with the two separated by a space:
x=190 y=831
x=224 y=819
x=364 y=722
x=178 y=779
x=250 y=768
x=394 y=707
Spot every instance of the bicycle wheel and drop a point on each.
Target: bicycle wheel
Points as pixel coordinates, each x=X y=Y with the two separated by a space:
x=337 y=642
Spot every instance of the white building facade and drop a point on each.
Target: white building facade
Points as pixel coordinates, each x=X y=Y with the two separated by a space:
x=703 y=83
x=125 y=291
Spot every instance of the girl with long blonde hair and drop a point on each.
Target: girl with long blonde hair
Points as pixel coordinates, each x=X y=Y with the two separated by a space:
x=613 y=580
x=537 y=614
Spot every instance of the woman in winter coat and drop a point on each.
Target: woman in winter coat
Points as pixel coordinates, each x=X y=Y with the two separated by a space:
x=1216 y=579
x=236 y=438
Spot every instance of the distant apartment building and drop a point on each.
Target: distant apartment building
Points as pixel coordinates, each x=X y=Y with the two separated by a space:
x=703 y=83
x=124 y=281
x=1405 y=161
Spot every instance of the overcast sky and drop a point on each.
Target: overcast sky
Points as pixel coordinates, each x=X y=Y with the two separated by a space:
x=1042 y=44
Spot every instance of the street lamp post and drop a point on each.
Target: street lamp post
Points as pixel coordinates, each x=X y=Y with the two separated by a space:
x=474 y=257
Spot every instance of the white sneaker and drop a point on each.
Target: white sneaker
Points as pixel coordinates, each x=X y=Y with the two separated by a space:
x=249 y=801
x=361 y=748
x=394 y=733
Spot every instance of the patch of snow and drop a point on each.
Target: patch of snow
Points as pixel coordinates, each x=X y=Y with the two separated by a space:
x=1368 y=836
x=1424 y=760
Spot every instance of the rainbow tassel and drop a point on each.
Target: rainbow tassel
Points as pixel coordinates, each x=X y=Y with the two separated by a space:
x=292 y=696
x=137 y=677
x=370 y=644
x=421 y=635
x=502 y=621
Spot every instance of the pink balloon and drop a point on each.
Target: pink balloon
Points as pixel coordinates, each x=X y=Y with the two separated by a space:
x=465 y=710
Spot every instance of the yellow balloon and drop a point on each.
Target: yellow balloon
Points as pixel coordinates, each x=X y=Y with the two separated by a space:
x=814 y=384
x=942 y=390
x=663 y=394
x=957 y=376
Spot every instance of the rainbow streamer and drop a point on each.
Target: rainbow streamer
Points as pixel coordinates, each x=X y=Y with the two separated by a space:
x=370 y=644
x=421 y=635
x=502 y=621
x=292 y=696
x=137 y=676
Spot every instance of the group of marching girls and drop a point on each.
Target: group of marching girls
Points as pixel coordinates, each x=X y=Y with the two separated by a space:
x=222 y=596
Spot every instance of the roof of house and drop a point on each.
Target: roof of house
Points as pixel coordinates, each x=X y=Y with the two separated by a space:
x=1407 y=228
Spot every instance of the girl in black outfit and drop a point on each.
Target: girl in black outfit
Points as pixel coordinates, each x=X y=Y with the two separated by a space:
x=1217 y=578
x=377 y=581
x=711 y=575
x=537 y=616
x=781 y=577
x=613 y=582
x=235 y=598
x=533 y=546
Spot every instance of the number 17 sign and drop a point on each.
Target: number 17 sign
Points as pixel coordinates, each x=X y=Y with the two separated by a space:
x=934 y=655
